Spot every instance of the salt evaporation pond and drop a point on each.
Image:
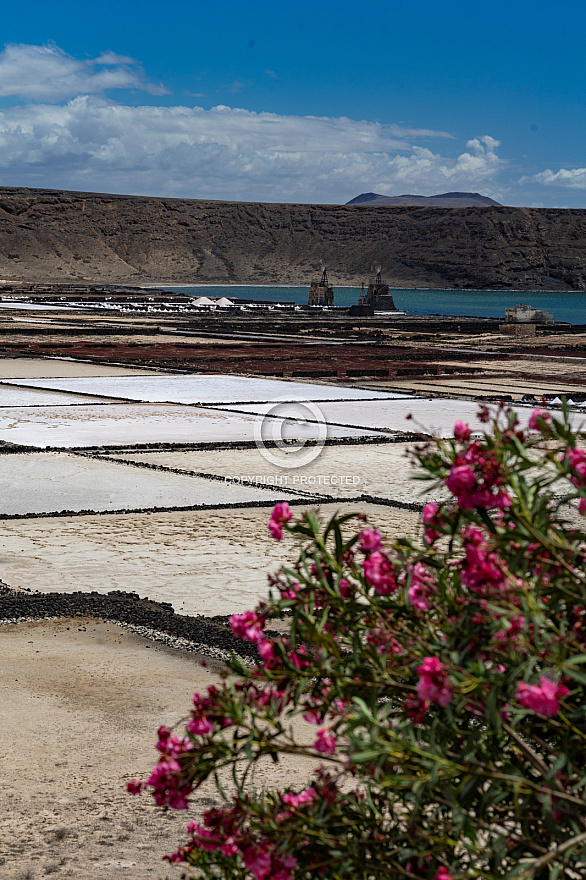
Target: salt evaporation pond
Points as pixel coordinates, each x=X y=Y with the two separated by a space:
x=131 y=424
x=382 y=470
x=430 y=416
x=206 y=388
x=13 y=369
x=12 y=396
x=47 y=482
x=203 y=562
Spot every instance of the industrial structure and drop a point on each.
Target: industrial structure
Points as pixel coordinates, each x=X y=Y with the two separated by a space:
x=321 y=293
x=377 y=296
x=523 y=320
x=526 y=315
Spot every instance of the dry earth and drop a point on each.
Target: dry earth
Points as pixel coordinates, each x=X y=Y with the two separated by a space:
x=203 y=562
x=81 y=703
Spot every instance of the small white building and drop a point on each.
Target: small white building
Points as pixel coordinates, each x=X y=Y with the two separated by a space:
x=526 y=315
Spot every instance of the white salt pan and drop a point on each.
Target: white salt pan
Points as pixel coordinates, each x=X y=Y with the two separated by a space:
x=130 y=424
x=47 y=482
x=431 y=416
x=207 y=388
x=13 y=396
x=382 y=470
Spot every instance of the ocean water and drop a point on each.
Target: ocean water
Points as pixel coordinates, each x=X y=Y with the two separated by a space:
x=564 y=305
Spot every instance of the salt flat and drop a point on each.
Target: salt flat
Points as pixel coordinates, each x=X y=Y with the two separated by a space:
x=38 y=307
x=46 y=482
x=379 y=469
x=11 y=395
x=203 y=562
x=127 y=424
x=208 y=388
x=430 y=416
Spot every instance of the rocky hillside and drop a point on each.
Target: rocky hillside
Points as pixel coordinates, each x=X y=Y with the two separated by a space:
x=74 y=237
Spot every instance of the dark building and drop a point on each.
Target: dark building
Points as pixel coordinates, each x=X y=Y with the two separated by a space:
x=377 y=296
x=320 y=292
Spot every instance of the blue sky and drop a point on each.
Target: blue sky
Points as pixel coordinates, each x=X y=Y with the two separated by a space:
x=306 y=101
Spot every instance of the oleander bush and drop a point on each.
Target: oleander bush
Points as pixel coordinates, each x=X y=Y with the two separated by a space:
x=442 y=681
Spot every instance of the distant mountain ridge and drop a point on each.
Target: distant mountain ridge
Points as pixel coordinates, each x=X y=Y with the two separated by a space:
x=444 y=200
x=72 y=237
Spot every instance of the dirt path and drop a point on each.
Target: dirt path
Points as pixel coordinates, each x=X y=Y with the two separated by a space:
x=80 y=705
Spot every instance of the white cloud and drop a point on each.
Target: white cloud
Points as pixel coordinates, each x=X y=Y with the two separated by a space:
x=226 y=153
x=46 y=73
x=574 y=178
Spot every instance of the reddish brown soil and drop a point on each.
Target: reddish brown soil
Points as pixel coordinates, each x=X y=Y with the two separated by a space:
x=277 y=359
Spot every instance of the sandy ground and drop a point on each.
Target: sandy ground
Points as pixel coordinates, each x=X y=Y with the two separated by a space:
x=203 y=562
x=47 y=368
x=379 y=469
x=490 y=386
x=81 y=703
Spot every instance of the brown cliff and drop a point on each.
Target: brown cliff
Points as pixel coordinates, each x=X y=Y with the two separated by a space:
x=75 y=237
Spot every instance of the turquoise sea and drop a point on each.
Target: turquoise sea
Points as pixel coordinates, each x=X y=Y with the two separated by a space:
x=564 y=306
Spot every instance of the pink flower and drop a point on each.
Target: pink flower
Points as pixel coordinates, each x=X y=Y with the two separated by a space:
x=379 y=573
x=582 y=506
x=460 y=479
x=229 y=847
x=370 y=540
x=299 y=658
x=266 y=650
x=248 y=626
x=543 y=698
x=474 y=477
x=134 y=786
x=430 y=666
x=207 y=839
x=172 y=746
x=325 y=742
x=289 y=591
x=281 y=514
x=298 y=800
x=482 y=569
x=432 y=520
x=429 y=512
x=461 y=432
x=417 y=597
x=420 y=584
x=168 y=788
x=346 y=589
x=538 y=419
x=433 y=685
x=443 y=874
x=276 y=529
x=577 y=461
x=258 y=861
x=200 y=726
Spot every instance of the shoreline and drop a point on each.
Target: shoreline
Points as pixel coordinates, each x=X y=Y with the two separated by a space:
x=164 y=285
